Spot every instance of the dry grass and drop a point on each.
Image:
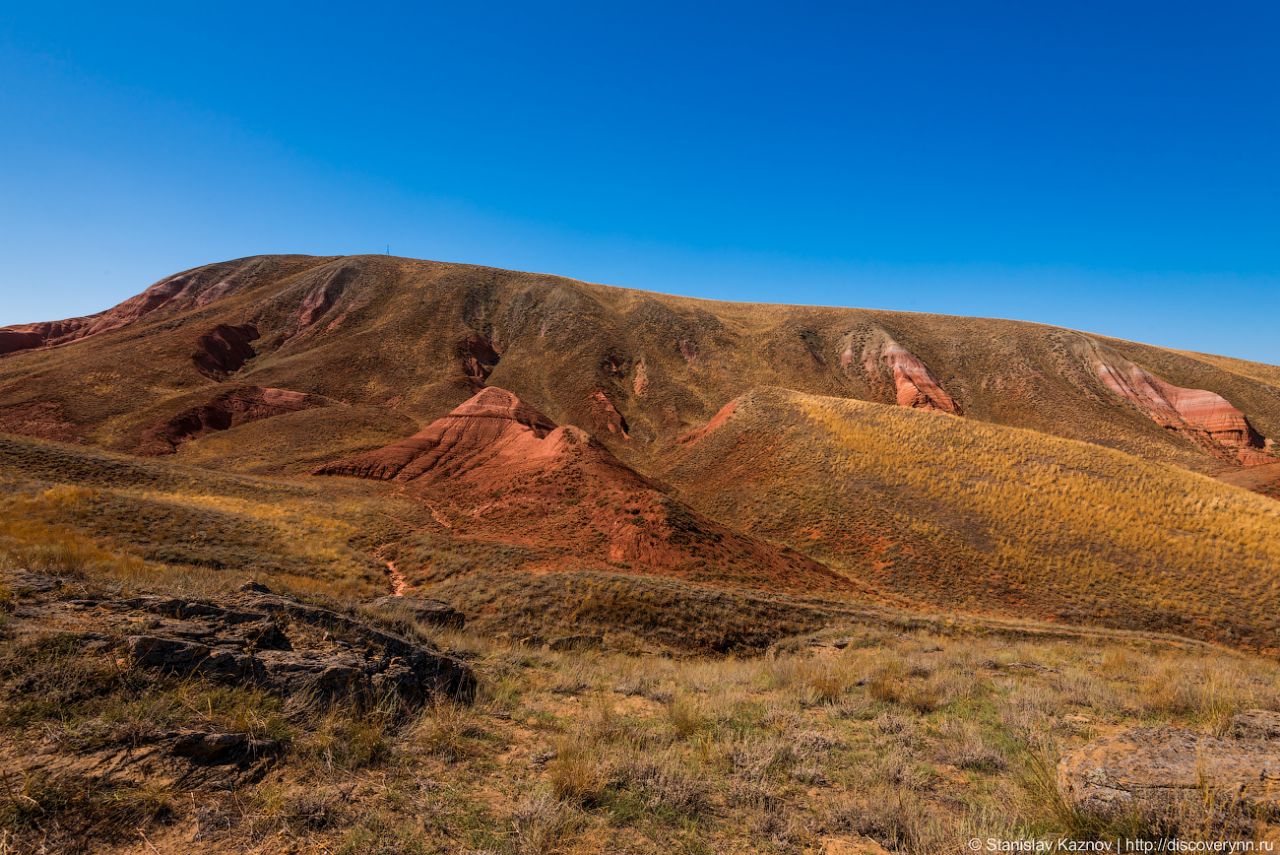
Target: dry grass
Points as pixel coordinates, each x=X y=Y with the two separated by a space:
x=954 y=513
x=916 y=740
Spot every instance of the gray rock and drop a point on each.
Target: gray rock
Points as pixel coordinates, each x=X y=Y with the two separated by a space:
x=1256 y=724
x=176 y=656
x=1169 y=775
x=349 y=660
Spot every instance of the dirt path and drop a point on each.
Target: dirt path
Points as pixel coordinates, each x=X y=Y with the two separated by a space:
x=398 y=582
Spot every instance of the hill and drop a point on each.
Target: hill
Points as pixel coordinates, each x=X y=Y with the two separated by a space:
x=966 y=516
x=372 y=338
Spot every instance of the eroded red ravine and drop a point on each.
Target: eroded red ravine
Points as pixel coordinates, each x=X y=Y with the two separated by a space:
x=399 y=585
x=505 y=471
x=478 y=356
x=716 y=422
x=606 y=416
x=224 y=350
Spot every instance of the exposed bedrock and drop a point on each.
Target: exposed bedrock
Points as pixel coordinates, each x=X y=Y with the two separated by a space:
x=224 y=350
x=505 y=471
x=227 y=410
x=715 y=423
x=605 y=416
x=1164 y=775
x=1203 y=417
x=304 y=652
x=888 y=362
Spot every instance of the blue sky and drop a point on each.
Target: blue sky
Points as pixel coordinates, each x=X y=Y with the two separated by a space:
x=1113 y=167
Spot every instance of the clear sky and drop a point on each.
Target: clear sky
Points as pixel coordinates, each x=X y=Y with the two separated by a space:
x=1107 y=166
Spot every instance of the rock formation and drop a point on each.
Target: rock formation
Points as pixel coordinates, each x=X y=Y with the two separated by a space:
x=478 y=357
x=506 y=472
x=493 y=428
x=606 y=416
x=1163 y=774
x=718 y=420
x=887 y=361
x=224 y=350
x=1203 y=417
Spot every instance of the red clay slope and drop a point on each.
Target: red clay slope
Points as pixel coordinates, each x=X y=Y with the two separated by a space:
x=503 y=471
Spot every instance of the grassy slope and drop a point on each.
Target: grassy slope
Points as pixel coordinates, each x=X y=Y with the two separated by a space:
x=959 y=514
x=148 y=522
x=66 y=507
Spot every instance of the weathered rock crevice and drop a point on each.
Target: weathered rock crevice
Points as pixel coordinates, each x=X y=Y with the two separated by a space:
x=478 y=356
x=224 y=350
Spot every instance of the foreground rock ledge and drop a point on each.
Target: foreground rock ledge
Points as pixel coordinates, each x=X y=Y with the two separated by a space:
x=307 y=653
x=1172 y=775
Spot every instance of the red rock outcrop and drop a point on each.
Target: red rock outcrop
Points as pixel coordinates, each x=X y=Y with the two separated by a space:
x=913 y=383
x=13 y=339
x=494 y=426
x=640 y=382
x=1205 y=418
x=718 y=420
x=227 y=410
x=606 y=416
x=500 y=470
x=224 y=350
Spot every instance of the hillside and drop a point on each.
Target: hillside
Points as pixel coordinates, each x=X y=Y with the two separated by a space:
x=373 y=338
x=546 y=452
x=381 y=555
x=981 y=518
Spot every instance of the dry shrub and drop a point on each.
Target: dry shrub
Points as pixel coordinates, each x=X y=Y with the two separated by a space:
x=759 y=759
x=893 y=683
x=687 y=716
x=540 y=822
x=966 y=748
x=447 y=730
x=663 y=783
x=1206 y=691
x=897 y=818
x=578 y=774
